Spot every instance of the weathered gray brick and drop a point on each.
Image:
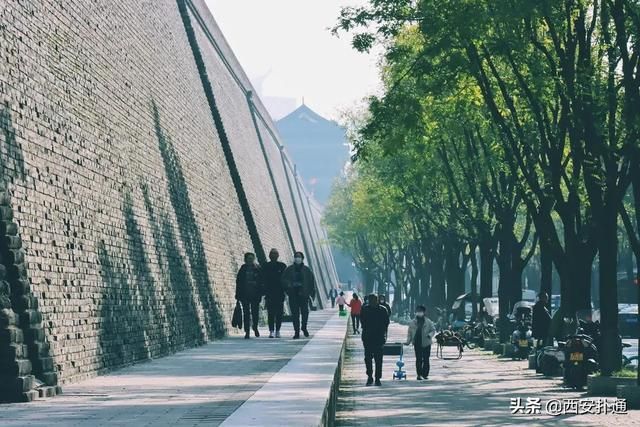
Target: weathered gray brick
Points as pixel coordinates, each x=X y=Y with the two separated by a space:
x=120 y=226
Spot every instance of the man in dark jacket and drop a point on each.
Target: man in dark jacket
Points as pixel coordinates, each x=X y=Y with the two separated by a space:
x=374 y=320
x=541 y=322
x=300 y=285
x=249 y=292
x=382 y=300
x=274 y=292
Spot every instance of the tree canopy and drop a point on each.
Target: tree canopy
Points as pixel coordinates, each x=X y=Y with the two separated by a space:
x=507 y=131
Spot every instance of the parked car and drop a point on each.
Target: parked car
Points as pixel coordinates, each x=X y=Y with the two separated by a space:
x=628 y=320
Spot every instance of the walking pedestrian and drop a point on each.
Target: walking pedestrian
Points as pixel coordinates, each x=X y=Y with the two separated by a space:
x=274 y=292
x=356 y=306
x=341 y=301
x=541 y=320
x=300 y=284
x=333 y=294
x=249 y=293
x=375 y=320
x=382 y=299
x=420 y=334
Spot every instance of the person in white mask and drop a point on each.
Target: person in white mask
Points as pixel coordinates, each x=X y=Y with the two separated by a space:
x=300 y=284
x=420 y=334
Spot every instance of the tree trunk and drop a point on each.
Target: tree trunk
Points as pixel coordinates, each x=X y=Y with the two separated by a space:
x=487 y=255
x=636 y=201
x=516 y=280
x=575 y=276
x=474 y=282
x=437 y=289
x=546 y=272
x=454 y=273
x=368 y=281
x=610 y=351
x=504 y=281
x=627 y=261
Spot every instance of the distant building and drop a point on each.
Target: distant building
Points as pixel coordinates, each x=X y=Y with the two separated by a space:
x=317 y=146
x=319 y=149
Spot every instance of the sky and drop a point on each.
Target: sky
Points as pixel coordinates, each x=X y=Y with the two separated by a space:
x=288 y=52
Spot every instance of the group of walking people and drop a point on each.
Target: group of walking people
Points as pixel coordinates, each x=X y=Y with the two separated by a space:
x=374 y=317
x=274 y=280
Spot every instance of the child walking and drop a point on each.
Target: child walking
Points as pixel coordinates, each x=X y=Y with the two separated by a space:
x=341 y=301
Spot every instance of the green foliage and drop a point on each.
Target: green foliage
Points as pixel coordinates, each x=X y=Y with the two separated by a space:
x=500 y=120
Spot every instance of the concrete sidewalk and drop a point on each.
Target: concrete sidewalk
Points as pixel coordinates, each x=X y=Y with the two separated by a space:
x=303 y=392
x=473 y=391
x=196 y=387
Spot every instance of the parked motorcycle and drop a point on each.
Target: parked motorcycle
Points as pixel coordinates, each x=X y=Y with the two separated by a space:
x=522 y=340
x=580 y=360
x=482 y=331
x=550 y=361
x=576 y=354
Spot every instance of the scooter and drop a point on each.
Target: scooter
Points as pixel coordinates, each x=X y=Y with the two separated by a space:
x=550 y=360
x=400 y=374
x=581 y=354
x=580 y=360
x=522 y=340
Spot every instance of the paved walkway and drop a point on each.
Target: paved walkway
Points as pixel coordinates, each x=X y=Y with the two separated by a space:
x=196 y=387
x=300 y=393
x=473 y=391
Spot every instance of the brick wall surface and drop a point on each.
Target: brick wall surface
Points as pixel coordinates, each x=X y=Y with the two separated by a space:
x=311 y=258
x=117 y=185
x=236 y=115
x=322 y=276
x=280 y=178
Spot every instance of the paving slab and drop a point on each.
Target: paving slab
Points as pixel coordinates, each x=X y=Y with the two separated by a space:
x=300 y=393
x=196 y=387
x=473 y=391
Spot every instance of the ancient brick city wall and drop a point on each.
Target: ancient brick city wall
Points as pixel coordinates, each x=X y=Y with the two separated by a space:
x=119 y=192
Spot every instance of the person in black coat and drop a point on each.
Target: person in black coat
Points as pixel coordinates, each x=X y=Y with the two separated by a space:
x=541 y=322
x=382 y=300
x=274 y=292
x=249 y=292
x=300 y=284
x=374 y=320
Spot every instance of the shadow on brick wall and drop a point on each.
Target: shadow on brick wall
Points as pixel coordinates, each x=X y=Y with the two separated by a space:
x=179 y=301
x=122 y=334
x=149 y=311
x=23 y=336
x=189 y=230
x=12 y=155
x=140 y=318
